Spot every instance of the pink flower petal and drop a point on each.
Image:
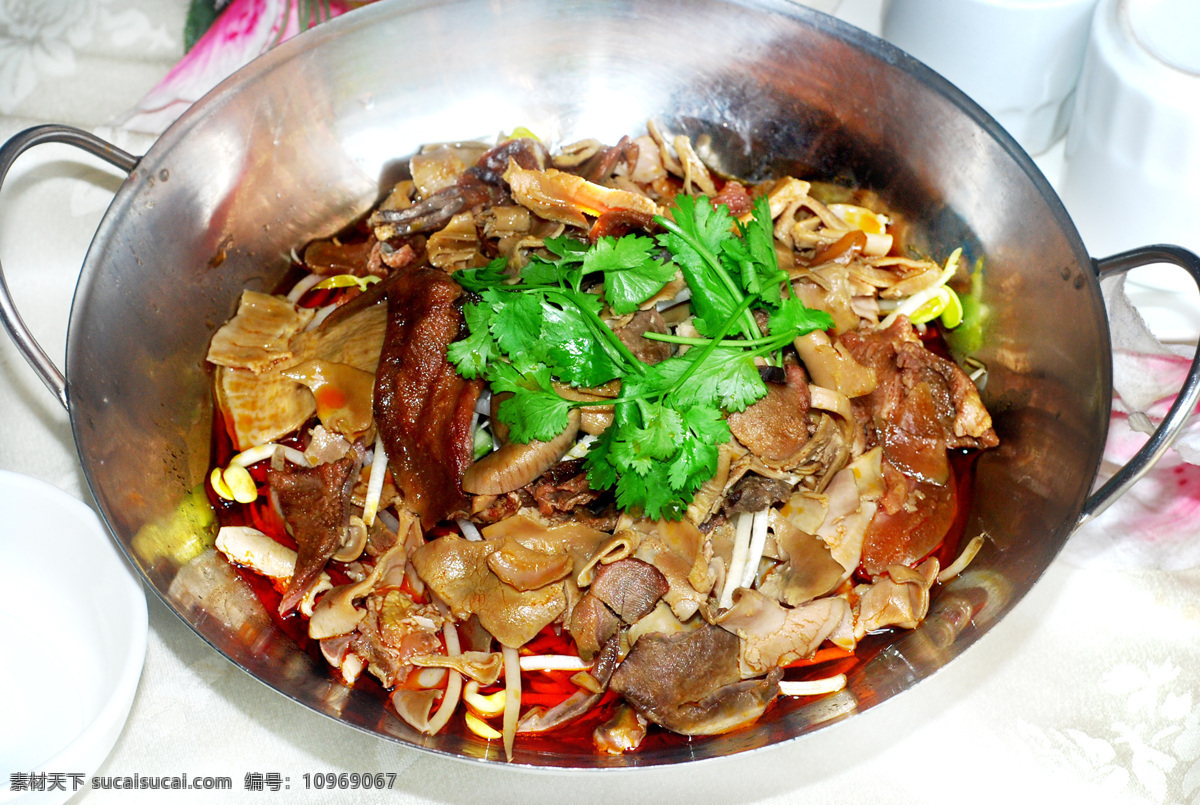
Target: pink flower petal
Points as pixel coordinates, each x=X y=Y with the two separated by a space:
x=1156 y=524
x=245 y=30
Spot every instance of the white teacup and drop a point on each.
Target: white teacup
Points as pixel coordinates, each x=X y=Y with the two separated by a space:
x=1132 y=172
x=1018 y=59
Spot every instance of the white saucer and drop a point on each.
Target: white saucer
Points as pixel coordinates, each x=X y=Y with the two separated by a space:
x=73 y=626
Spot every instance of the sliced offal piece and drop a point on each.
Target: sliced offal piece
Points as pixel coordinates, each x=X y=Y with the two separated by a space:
x=630 y=587
x=423 y=408
x=922 y=406
x=690 y=683
x=904 y=534
x=315 y=505
x=775 y=427
x=258 y=336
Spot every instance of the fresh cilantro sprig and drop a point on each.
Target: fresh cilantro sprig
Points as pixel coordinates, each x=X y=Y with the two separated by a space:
x=669 y=419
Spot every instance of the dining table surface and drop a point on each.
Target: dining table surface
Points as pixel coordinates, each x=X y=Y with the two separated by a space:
x=1088 y=691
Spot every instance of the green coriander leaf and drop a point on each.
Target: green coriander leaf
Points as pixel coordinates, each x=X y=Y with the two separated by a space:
x=727 y=379
x=651 y=493
x=697 y=252
x=567 y=249
x=601 y=472
x=752 y=258
x=535 y=411
x=793 y=316
x=578 y=355
x=472 y=355
x=656 y=440
x=517 y=324
x=539 y=271
x=706 y=423
x=696 y=463
x=477 y=279
x=632 y=273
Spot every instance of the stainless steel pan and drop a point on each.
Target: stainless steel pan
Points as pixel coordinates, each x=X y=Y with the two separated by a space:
x=302 y=141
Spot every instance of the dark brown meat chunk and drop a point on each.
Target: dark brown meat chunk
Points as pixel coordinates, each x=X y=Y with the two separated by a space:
x=315 y=504
x=562 y=489
x=689 y=682
x=753 y=493
x=328 y=257
x=423 y=409
x=776 y=427
x=592 y=624
x=632 y=335
x=630 y=587
x=922 y=405
x=734 y=196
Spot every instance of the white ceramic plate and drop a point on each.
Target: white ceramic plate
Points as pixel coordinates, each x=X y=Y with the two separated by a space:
x=73 y=627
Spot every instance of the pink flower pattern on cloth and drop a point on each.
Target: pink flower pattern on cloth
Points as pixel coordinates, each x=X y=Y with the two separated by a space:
x=244 y=30
x=1156 y=524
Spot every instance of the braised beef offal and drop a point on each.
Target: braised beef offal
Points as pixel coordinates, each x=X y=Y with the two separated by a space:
x=690 y=682
x=423 y=408
x=315 y=505
x=591 y=446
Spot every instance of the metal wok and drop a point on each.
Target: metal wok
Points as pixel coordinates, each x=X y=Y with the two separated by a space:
x=303 y=140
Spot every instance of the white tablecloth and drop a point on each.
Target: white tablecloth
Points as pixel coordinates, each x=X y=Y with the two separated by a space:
x=1088 y=691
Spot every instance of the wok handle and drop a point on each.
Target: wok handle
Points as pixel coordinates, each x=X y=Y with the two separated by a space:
x=10 y=318
x=1189 y=393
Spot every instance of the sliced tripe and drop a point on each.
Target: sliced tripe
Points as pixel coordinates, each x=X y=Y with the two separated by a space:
x=263 y=407
x=258 y=336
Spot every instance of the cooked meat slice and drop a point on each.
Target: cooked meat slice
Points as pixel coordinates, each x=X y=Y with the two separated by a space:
x=773 y=635
x=257 y=337
x=630 y=587
x=457 y=571
x=922 y=405
x=809 y=570
x=592 y=624
x=423 y=409
x=563 y=489
x=393 y=631
x=526 y=568
x=689 y=682
x=538 y=719
x=315 y=505
x=734 y=196
x=632 y=335
x=623 y=732
x=908 y=532
x=776 y=427
x=970 y=424
x=900 y=598
x=332 y=256
x=478 y=186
